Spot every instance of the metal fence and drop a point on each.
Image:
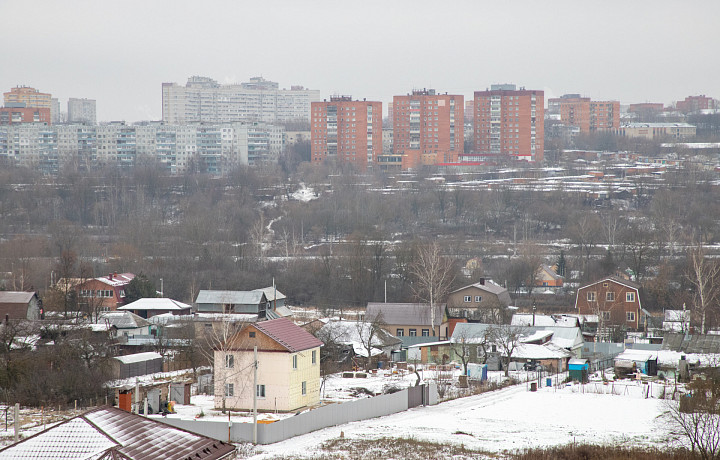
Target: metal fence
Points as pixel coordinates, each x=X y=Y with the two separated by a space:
x=323 y=417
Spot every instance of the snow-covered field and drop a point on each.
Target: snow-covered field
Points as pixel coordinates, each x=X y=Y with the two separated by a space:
x=512 y=418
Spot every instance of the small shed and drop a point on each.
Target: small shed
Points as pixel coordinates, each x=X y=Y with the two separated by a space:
x=137 y=364
x=645 y=361
x=578 y=369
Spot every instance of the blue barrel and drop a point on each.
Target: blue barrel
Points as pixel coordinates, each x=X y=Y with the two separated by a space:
x=548 y=382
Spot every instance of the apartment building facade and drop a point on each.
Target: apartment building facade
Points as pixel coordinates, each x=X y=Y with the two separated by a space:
x=346 y=131
x=81 y=111
x=428 y=128
x=31 y=97
x=204 y=100
x=508 y=123
x=693 y=104
x=586 y=114
x=215 y=149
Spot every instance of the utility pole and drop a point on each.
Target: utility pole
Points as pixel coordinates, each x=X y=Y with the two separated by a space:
x=255 y=367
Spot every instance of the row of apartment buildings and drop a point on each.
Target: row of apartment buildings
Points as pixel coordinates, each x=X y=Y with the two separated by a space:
x=24 y=104
x=212 y=148
x=428 y=128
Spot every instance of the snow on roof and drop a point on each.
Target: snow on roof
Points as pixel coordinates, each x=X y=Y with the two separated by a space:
x=270 y=293
x=230 y=297
x=123 y=319
x=116 y=279
x=631 y=354
x=158 y=303
x=430 y=344
x=526 y=319
x=15 y=296
x=537 y=336
x=531 y=351
x=355 y=332
x=138 y=357
x=677 y=315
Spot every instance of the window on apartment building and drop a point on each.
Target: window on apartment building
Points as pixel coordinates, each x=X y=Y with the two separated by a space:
x=591 y=296
x=229 y=389
x=294 y=361
x=478 y=298
x=610 y=296
x=629 y=297
x=229 y=361
x=400 y=332
x=630 y=316
x=304 y=388
x=260 y=391
x=426 y=332
x=412 y=332
x=467 y=298
x=606 y=315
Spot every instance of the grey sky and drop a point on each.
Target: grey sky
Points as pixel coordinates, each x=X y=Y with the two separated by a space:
x=119 y=53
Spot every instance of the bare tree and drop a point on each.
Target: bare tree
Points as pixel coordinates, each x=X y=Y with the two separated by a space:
x=704 y=275
x=697 y=417
x=433 y=275
x=506 y=338
x=369 y=333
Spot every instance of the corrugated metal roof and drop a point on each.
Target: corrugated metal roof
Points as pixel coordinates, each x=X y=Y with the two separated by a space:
x=15 y=296
x=230 y=297
x=271 y=292
x=119 y=279
x=288 y=334
x=158 y=303
x=106 y=430
x=411 y=314
x=696 y=343
x=138 y=357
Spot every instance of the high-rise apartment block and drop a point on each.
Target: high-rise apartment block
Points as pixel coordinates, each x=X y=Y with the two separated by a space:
x=31 y=97
x=347 y=131
x=204 y=100
x=509 y=123
x=586 y=114
x=428 y=128
x=81 y=111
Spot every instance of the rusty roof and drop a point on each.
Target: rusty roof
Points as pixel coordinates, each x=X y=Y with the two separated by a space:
x=288 y=334
x=109 y=432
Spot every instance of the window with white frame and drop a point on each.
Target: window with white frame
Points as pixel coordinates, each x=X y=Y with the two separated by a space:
x=629 y=297
x=630 y=316
x=294 y=361
x=314 y=356
x=229 y=361
x=478 y=298
x=413 y=332
x=610 y=296
x=260 y=391
x=304 y=388
x=426 y=332
x=467 y=298
x=606 y=315
x=229 y=389
x=591 y=296
x=399 y=332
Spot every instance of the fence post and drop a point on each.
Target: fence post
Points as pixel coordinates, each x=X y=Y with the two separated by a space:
x=16 y=422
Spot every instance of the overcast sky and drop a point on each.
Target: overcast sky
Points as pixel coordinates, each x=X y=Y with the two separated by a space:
x=119 y=53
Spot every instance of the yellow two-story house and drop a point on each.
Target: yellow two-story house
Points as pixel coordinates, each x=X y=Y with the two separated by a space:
x=288 y=368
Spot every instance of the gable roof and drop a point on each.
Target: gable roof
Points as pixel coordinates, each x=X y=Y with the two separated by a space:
x=16 y=297
x=356 y=333
x=410 y=314
x=564 y=337
x=491 y=287
x=288 y=334
x=550 y=272
x=109 y=432
x=158 y=303
x=231 y=297
x=116 y=279
x=615 y=279
x=271 y=293
x=123 y=319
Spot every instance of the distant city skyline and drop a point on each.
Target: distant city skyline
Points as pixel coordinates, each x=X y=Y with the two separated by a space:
x=120 y=53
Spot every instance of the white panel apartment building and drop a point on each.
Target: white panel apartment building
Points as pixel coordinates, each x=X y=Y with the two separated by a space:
x=204 y=100
x=213 y=148
x=81 y=111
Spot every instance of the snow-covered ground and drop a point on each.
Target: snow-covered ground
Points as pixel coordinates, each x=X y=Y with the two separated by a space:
x=512 y=418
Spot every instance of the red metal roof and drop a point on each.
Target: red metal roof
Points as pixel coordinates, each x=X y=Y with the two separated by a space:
x=288 y=334
x=108 y=432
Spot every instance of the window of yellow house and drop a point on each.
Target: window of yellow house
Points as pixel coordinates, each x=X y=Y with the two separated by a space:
x=314 y=357
x=294 y=361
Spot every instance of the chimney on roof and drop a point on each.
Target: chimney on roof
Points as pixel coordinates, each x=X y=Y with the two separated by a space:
x=110 y=276
x=115 y=274
x=482 y=281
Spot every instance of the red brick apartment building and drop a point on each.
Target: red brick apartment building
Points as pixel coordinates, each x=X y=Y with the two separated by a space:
x=428 y=128
x=510 y=123
x=347 y=131
x=15 y=115
x=105 y=293
x=696 y=104
x=586 y=114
